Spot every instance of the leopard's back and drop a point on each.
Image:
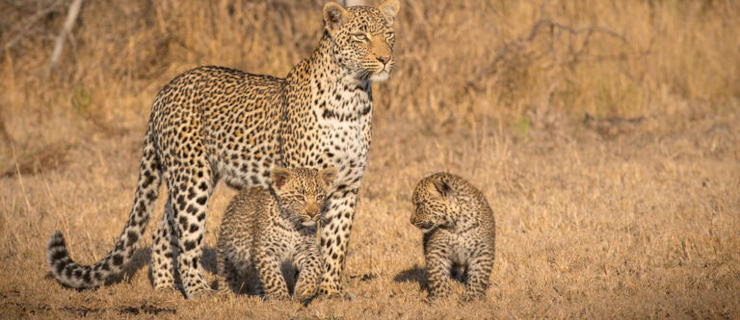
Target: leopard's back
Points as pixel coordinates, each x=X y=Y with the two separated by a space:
x=227 y=115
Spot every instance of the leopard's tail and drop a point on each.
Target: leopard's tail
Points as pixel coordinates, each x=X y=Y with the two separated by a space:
x=74 y=275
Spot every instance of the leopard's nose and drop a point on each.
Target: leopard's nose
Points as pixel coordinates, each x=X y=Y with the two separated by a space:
x=313 y=210
x=384 y=60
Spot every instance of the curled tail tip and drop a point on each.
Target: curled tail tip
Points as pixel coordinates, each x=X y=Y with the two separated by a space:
x=56 y=238
x=56 y=249
x=57 y=256
x=56 y=244
x=65 y=270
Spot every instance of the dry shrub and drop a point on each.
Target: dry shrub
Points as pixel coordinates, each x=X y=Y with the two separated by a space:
x=48 y=158
x=457 y=60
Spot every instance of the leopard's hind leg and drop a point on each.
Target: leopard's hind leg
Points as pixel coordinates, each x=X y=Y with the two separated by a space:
x=164 y=251
x=190 y=184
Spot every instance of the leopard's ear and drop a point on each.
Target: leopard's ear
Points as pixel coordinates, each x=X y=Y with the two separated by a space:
x=442 y=187
x=280 y=176
x=334 y=16
x=327 y=176
x=389 y=9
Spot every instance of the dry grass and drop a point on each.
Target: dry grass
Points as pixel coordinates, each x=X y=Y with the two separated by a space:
x=631 y=212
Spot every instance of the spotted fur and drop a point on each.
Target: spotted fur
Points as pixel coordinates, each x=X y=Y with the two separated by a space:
x=459 y=231
x=214 y=123
x=262 y=229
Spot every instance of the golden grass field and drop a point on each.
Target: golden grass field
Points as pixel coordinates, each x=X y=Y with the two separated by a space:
x=605 y=135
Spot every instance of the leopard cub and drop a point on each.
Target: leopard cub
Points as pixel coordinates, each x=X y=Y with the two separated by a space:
x=262 y=229
x=459 y=232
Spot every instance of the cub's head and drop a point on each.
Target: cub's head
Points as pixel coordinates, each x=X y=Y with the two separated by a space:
x=434 y=204
x=301 y=192
x=362 y=38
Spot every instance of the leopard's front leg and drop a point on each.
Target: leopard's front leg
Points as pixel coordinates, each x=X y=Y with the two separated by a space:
x=311 y=266
x=273 y=284
x=479 y=277
x=438 y=265
x=335 y=231
x=438 y=276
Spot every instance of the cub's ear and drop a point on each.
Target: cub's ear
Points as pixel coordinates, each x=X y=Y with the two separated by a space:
x=389 y=9
x=280 y=177
x=442 y=187
x=327 y=176
x=334 y=16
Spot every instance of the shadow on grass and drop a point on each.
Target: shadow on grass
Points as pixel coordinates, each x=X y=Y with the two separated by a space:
x=414 y=274
x=418 y=274
x=209 y=260
x=33 y=309
x=244 y=283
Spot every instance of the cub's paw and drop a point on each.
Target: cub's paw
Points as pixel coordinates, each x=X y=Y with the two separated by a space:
x=437 y=298
x=276 y=296
x=206 y=293
x=473 y=296
x=344 y=296
x=304 y=294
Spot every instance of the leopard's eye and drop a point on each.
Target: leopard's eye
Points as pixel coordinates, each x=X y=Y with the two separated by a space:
x=359 y=37
x=320 y=197
x=299 y=197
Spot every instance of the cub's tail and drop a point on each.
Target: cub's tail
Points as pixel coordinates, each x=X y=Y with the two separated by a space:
x=78 y=276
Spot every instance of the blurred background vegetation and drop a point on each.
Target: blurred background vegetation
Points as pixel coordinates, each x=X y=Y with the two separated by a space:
x=459 y=63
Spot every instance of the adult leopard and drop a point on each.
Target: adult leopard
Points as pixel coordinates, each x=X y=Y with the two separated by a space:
x=214 y=123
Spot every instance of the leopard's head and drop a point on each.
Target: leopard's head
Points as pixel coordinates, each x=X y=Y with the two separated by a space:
x=434 y=203
x=362 y=38
x=301 y=192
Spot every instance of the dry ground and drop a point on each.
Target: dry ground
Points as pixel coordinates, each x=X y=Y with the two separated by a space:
x=641 y=224
x=605 y=134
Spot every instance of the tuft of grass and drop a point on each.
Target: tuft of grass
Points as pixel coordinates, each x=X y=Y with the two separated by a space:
x=521 y=127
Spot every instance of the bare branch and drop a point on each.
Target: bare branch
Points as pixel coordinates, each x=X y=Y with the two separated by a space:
x=29 y=23
x=521 y=42
x=74 y=10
